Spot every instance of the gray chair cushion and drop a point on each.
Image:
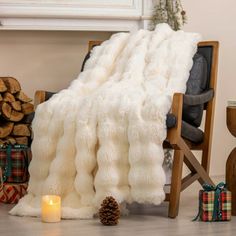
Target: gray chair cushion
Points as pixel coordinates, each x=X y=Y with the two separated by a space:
x=204 y=97
x=196 y=85
x=170 y=120
x=84 y=61
x=48 y=95
x=188 y=131
x=191 y=133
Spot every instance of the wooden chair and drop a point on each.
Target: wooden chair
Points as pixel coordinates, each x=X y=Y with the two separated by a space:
x=176 y=135
x=182 y=147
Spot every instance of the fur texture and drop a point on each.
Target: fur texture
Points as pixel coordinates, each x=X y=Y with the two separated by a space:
x=103 y=135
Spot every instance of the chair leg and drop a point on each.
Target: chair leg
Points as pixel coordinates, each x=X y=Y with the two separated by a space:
x=193 y=164
x=176 y=183
x=206 y=159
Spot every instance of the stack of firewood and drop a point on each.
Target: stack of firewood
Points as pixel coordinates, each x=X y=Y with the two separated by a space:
x=15 y=113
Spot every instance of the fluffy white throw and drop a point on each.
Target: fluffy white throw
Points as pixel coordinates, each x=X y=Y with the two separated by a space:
x=103 y=135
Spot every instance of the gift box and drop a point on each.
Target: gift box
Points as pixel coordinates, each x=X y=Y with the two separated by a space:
x=14 y=161
x=214 y=203
x=11 y=193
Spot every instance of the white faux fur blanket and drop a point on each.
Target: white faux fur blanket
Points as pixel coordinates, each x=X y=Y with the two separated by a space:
x=103 y=135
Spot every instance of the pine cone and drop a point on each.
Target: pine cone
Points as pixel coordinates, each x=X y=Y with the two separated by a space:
x=109 y=213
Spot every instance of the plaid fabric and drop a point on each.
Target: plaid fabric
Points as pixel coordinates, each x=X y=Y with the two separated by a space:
x=20 y=159
x=12 y=193
x=225 y=205
x=207 y=205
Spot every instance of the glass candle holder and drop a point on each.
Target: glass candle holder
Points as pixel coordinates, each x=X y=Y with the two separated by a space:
x=51 y=208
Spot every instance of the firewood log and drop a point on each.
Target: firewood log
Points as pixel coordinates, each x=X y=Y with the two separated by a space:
x=5 y=110
x=6 y=129
x=21 y=140
x=9 y=114
x=13 y=86
x=16 y=113
x=8 y=97
x=21 y=130
x=23 y=97
x=9 y=140
x=3 y=87
x=16 y=116
x=16 y=105
x=27 y=108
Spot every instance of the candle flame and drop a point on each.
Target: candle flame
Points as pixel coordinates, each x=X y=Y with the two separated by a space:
x=50 y=202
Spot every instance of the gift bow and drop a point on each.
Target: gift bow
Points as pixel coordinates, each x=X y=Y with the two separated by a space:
x=219 y=187
x=216 y=210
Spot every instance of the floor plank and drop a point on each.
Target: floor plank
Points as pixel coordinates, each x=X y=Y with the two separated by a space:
x=143 y=220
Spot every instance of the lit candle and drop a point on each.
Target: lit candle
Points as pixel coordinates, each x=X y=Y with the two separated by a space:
x=51 y=208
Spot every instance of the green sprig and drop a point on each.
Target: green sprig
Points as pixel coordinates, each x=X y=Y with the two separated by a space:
x=170 y=12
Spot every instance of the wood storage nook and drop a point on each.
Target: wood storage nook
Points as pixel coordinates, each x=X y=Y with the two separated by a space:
x=15 y=113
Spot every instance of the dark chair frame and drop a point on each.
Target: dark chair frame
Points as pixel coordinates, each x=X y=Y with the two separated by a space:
x=183 y=148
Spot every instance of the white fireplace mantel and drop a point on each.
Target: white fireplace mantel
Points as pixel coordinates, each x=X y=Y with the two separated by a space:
x=80 y=15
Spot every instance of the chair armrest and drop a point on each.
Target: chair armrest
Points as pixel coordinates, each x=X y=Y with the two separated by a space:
x=174 y=133
x=199 y=99
x=42 y=96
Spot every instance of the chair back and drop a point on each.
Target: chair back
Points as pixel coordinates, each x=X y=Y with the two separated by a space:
x=210 y=51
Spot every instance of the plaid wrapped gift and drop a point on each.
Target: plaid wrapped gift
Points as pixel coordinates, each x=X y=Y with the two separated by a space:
x=214 y=203
x=14 y=161
x=12 y=193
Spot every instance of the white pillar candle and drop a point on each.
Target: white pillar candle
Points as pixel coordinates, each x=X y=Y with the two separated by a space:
x=51 y=208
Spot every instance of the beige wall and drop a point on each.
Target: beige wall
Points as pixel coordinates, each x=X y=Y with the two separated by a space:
x=44 y=60
x=50 y=60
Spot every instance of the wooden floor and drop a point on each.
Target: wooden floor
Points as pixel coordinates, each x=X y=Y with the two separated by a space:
x=143 y=220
